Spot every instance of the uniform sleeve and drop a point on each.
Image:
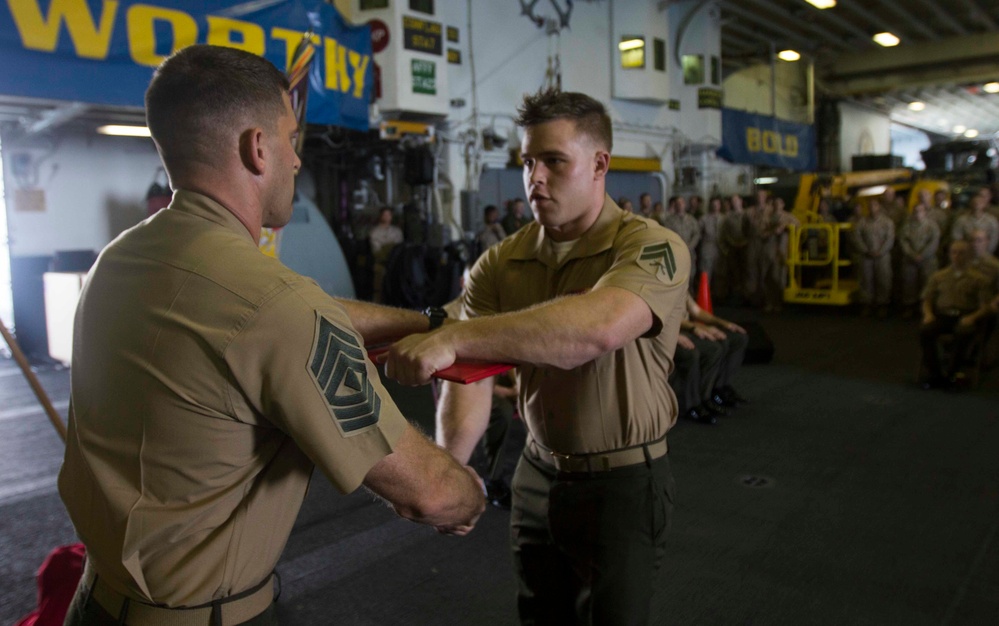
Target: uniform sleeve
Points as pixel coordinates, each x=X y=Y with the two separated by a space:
x=300 y=365
x=654 y=264
x=481 y=297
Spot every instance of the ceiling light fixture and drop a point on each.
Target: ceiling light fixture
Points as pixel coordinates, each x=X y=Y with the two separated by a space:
x=788 y=55
x=822 y=4
x=991 y=87
x=971 y=133
x=124 y=131
x=917 y=106
x=886 y=39
x=960 y=128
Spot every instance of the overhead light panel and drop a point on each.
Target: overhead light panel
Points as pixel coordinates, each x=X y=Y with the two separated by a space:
x=991 y=87
x=960 y=128
x=822 y=4
x=971 y=133
x=917 y=106
x=788 y=55
x=766 y=180
x=631 y=44
x=886 y=39
x=124 y=131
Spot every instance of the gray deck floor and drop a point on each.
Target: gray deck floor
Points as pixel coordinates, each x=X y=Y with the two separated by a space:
x=868 y=502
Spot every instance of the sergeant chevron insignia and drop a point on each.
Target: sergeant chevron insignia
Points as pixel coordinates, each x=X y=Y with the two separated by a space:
x=337 y=365
x=658 y=259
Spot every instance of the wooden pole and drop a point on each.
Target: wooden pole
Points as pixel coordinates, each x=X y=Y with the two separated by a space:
x=36 y=386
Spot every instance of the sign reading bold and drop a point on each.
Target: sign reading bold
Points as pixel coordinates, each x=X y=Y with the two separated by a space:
x=105 y=51
x=424 y=77
x=421 y=35
x=764 y=140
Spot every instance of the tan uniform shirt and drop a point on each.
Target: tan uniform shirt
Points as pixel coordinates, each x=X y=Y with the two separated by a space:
x=710 y=225
x=956 y=293
x=621 y=398
x=919 y=240
x=989 y=267
x=969 y=223
x=207 y=380
x=734 y=231
x=686 y=226
x=876 y=235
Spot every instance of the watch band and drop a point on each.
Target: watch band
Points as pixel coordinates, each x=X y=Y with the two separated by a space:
x=436 y=315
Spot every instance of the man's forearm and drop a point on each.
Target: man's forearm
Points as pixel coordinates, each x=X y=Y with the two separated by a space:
x=563 y=333
x=424 y=484
x=377 y=323
x=463 y=416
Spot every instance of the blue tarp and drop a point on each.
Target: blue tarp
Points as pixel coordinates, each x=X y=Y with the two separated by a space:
x=105 y=51
x=764 y=140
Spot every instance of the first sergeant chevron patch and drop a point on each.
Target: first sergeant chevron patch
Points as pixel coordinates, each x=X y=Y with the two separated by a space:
x=658 y=259
x=338 y=368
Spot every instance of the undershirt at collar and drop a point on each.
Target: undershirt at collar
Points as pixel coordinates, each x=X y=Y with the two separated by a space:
x=561 y=249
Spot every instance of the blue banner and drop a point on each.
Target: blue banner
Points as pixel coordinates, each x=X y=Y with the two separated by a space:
x=764 y=140
x=105 y=51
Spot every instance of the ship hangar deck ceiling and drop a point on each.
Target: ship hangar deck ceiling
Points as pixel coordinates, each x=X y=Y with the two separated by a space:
x=947 y=54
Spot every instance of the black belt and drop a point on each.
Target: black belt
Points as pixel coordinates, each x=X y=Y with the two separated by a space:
x=598 y=461
x=230 y=611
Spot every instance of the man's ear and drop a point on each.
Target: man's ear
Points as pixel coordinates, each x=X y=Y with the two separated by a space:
x=251 y=150
x=601 y=164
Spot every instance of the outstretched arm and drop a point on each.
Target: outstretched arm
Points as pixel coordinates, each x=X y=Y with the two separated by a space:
x=377 y=323
x=463 y=416
x=425 y=484
x=563 y=333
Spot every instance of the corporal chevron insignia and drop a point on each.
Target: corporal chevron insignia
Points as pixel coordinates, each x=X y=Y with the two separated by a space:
x=658 y=259
x=337 y=366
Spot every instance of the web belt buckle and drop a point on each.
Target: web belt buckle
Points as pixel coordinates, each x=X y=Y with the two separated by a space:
x=556 y=457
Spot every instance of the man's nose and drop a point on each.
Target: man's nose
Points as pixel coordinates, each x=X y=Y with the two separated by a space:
x=537 y=174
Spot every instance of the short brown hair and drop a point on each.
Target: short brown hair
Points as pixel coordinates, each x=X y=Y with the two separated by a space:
x=202 y=94
x=548 y=105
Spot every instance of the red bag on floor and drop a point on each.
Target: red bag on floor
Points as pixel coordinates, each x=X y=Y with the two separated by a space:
x=57 y=580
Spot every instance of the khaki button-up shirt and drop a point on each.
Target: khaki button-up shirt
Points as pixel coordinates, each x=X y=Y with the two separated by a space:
x=207 y=380
x=621 y=398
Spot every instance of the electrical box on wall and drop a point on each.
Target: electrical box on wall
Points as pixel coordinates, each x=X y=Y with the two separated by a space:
x=407 y=38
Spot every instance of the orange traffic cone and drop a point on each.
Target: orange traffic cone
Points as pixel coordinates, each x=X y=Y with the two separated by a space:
x=704 y=294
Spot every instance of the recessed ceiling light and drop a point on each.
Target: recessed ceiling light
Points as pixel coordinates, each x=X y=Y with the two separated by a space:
x=788 y=55
x=822 y=4
x=991 y=87
x=960 y=128
x=971 y=133
x=124 y=131
x=886 y=39
x=917 y=106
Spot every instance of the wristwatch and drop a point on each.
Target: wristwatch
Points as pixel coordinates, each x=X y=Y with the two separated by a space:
x=436 y=315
